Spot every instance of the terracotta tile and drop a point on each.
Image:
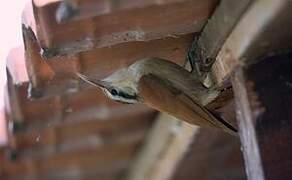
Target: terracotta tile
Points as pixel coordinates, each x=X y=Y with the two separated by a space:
x=57 y=75
x=116 y=23
x=67 y=129
x=87 y=105
x=17 y=70
x=3 y=130
x=81 y=9
x=67 y=137
x=102 y=161
x=79 y=116
x=81 y=106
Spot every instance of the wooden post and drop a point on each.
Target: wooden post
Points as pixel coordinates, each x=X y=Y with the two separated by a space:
x=263 y=93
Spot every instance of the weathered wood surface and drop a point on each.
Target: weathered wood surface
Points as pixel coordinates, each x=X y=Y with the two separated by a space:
x=212 y=155
x=260 y=30
x=215 y=32
x=176 y=150
x=166 y=145
x=263 y=92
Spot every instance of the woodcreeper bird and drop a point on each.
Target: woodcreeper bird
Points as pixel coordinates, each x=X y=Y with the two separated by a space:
x=166 y=87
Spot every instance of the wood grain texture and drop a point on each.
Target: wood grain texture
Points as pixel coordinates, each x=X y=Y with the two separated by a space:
x=166 y=145
x=260 y=31
x=264 y=96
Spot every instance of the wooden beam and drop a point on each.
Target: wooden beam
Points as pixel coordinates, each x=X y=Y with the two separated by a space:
x=175 y=150
x=165 y=146
x=221 y=23
x=213 y=155
x=247 y=130
x=261 y=30
x=263 y=93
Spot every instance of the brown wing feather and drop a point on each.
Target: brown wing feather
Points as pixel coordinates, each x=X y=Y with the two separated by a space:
x=163 y=97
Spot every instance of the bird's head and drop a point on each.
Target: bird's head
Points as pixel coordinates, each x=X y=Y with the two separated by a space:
x=121 y=86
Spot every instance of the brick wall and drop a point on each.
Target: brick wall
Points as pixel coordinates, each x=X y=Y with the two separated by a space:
x=59 y=127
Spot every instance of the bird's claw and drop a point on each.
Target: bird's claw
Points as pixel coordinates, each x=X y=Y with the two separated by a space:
x=200 y=66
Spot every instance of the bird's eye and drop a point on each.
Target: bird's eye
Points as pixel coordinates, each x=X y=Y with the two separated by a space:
x=114 y=92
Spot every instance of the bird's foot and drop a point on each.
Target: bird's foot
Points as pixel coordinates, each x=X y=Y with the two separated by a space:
x=200 y=66
x=193 y=58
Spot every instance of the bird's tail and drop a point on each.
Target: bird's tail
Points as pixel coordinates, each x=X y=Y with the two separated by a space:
x=226 y=126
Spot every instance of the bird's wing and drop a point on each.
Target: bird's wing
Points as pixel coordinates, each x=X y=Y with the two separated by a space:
x=209 y=116
x=164 y=97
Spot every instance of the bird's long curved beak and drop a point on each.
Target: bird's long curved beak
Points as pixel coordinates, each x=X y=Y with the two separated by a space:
x=93 y=82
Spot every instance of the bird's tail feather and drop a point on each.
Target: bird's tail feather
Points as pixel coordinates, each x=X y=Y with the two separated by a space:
x=229 y=128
